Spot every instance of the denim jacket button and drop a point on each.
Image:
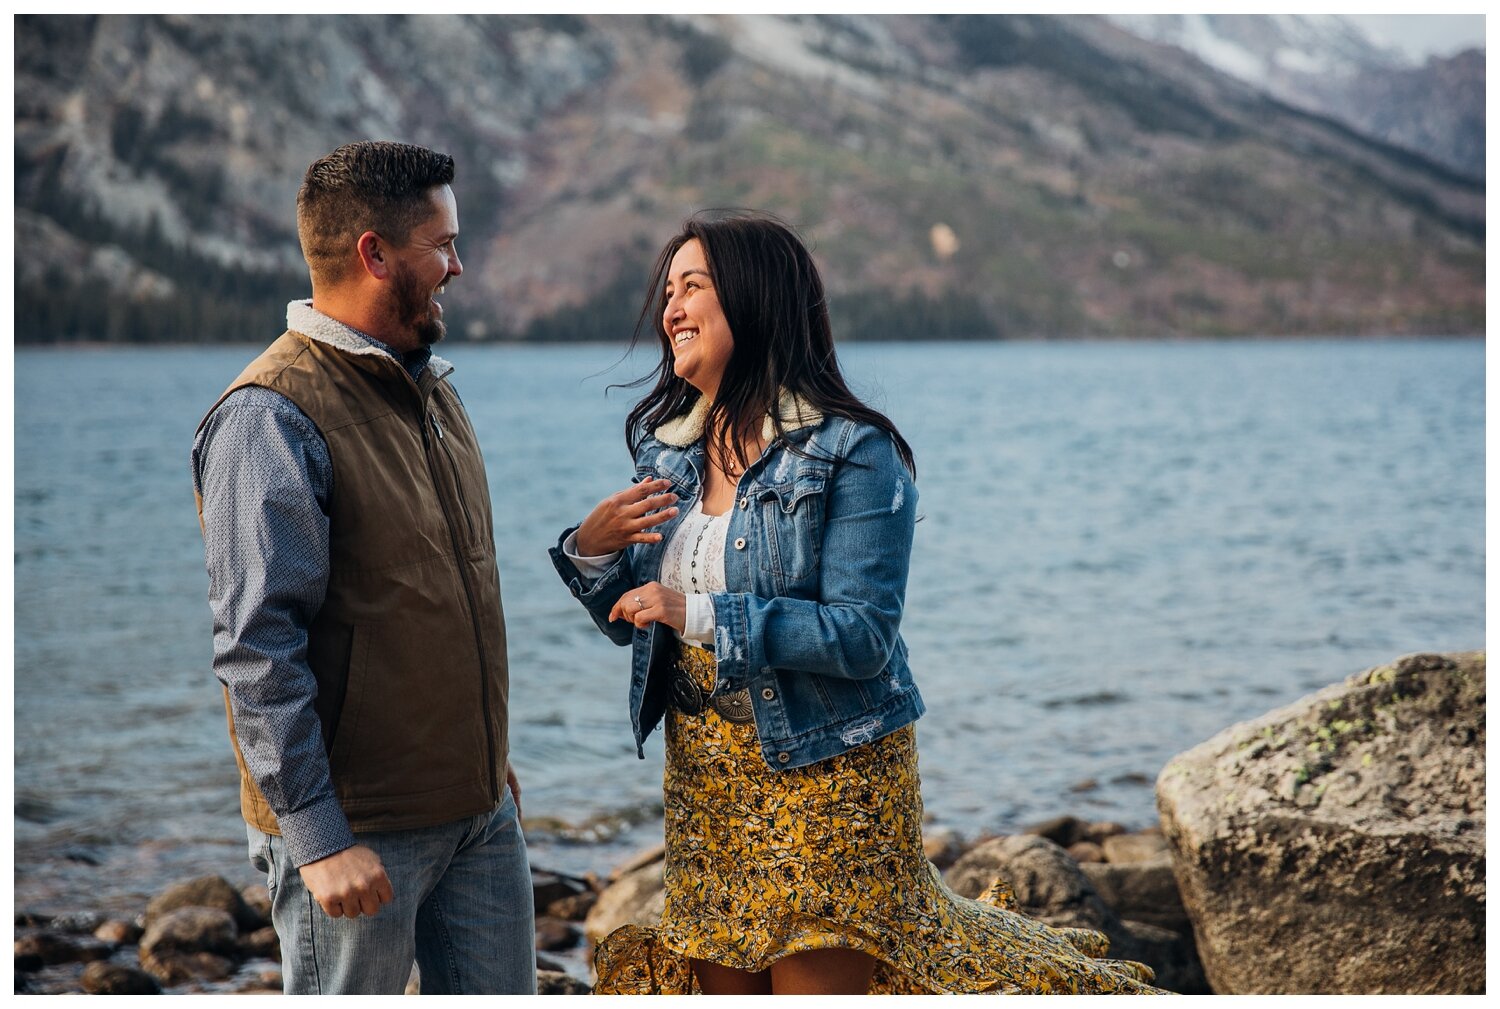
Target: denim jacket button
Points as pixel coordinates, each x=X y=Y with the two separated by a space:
x=739 y=544
x=768 y=694
x=744 y=503
x=783 y=757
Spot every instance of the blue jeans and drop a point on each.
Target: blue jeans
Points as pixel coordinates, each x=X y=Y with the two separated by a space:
x=463 y=910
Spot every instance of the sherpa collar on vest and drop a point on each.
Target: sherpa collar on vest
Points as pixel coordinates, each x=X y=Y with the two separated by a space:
x=302 y=318
x=796 y=412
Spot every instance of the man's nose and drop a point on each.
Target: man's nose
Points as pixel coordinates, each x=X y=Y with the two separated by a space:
x=455 y=267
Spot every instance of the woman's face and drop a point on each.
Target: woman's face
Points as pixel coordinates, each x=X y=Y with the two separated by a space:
x=694 y=322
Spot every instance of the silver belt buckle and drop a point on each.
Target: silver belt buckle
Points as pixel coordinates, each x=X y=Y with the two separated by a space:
x=686 y=694
x=734 y=707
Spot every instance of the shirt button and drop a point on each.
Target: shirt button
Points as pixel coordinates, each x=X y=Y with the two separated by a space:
x=768 y=694
x=783 y=757
x=744 y=503
x=739 y=544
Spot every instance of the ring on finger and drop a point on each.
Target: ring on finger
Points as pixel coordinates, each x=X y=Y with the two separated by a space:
x=639 y=603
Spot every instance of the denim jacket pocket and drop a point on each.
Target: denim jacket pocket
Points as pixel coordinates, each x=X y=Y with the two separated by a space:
x=792 y=523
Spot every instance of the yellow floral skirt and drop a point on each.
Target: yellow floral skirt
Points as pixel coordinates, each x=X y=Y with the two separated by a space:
x=761 y=864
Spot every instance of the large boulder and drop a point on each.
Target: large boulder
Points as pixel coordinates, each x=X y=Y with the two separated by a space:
x=1051 y=887
x=1337 y=845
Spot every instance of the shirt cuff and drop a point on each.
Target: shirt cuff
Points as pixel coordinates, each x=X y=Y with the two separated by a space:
x=698 y=626
x=316 y=831
x=589 y=567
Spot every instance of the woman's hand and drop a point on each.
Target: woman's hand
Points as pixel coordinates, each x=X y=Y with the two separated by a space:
x=623 y=518
x=652 y=603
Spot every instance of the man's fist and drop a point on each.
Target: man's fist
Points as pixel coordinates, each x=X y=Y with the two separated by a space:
x=348 y=884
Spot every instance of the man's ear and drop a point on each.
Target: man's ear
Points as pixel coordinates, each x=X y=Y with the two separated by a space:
x=372 y=255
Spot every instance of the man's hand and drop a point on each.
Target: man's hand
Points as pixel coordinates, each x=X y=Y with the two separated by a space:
x=515 y=788
x=348 y=884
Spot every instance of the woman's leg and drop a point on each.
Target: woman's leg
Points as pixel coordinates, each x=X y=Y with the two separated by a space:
x=718 y=980
x=823 y=972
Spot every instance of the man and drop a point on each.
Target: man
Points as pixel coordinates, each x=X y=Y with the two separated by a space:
x=357 y=622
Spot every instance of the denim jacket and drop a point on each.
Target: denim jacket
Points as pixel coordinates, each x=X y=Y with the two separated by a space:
x=816 y=560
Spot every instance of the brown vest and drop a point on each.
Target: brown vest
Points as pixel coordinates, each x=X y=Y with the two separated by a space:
x=408 y=648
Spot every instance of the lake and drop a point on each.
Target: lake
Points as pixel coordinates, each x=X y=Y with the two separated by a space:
x=1125 y=547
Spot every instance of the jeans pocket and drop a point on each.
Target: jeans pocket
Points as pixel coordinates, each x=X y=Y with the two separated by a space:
x=263 y=856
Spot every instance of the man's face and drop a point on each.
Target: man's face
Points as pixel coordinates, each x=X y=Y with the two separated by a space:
x=421 y=269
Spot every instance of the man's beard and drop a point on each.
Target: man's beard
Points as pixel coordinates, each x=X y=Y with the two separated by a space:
x=414 y=310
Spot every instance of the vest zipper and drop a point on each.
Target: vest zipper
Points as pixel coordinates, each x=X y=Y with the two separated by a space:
x=463 y=502
x=463 y=574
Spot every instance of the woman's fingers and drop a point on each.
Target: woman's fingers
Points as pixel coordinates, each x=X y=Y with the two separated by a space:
x=646 y=488
x=653 y=503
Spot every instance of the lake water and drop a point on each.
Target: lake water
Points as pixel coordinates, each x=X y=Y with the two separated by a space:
x=1126 y=548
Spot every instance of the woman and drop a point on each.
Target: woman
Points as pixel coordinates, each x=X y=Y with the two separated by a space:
x=757 y=568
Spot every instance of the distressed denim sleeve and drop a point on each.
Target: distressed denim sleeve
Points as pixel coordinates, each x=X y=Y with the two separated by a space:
x=264 y=473
x=598 y=591
x=851 y=629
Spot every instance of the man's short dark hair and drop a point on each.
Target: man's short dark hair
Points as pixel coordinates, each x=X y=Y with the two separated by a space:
x=374 y=185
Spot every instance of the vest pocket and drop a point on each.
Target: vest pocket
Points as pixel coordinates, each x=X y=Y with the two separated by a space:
x=347 y=727
x=458 y=483
x=329 y=647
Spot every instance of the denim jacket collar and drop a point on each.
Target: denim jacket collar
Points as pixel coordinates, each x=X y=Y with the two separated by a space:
x=795 y=412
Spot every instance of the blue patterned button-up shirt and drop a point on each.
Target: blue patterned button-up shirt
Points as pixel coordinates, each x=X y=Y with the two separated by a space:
x=264 y=473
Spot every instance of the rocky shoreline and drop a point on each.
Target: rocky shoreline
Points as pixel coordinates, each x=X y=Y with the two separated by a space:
x=203 y=935
x=1335 y=845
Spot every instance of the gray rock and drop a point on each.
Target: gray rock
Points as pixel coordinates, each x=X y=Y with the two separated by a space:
x=77 y=922
x=574 y=908
x=263 y=942
x=119 y=932
x=1085 y=851
x=206 y=891
x=174 y=945
x=45 y=948
x=550 y=982
x=547 y=887
x=1098 y=832
x=554 y=934
x=636 y=896
x=258 y=898
x=943 y=846
x=1337 y=845
x=103 y=978
x=1141 y=891
x=1051 y=887
x=1062 y=830
x=1143 y=847
x=1047 y=882
x=641 y=859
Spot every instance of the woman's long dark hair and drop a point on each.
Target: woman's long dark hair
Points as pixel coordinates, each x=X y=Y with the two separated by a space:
x=772 y=298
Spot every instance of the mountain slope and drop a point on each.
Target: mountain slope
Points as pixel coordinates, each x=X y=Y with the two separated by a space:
x=958 y=176
x=1324 y=63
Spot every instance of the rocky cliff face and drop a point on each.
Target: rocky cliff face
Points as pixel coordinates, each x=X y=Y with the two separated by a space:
x=1323 y=63
x=958 y=176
